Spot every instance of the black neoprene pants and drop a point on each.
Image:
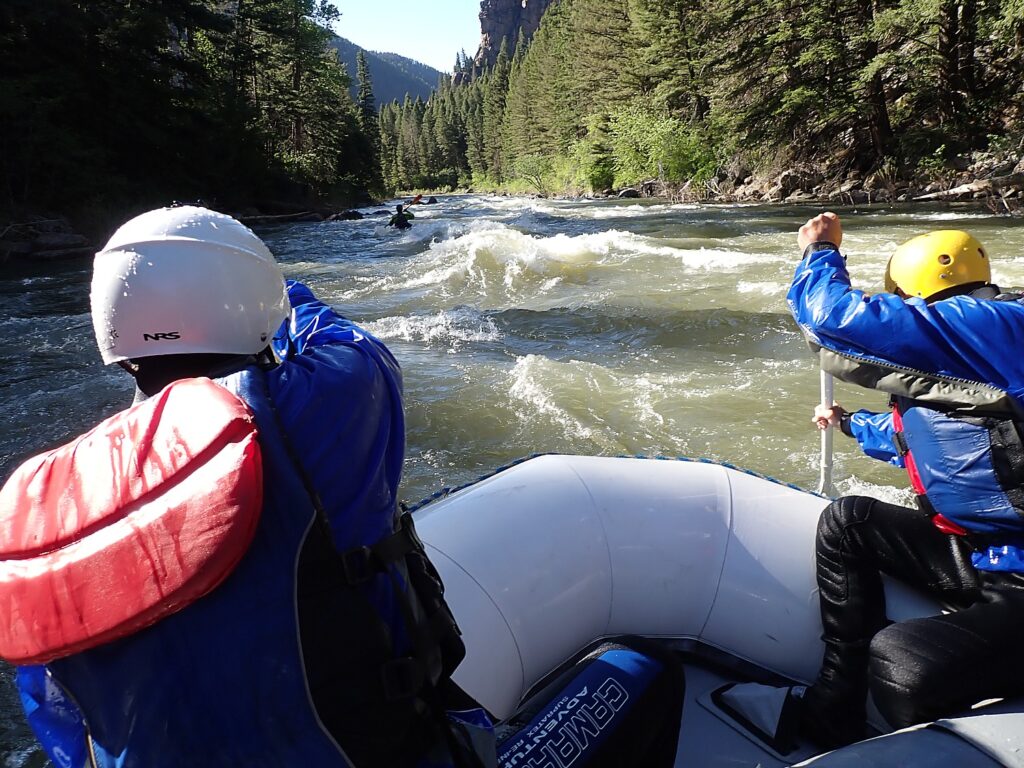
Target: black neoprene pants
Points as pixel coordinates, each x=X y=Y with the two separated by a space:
x=921 y=669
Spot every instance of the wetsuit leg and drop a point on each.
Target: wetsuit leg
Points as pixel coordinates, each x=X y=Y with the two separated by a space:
x=928 y=668
x=860 y=538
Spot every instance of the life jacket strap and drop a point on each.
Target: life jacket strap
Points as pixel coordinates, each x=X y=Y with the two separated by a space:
x=1008 y=458
x=362 y=563
x=903 y=449
x=942 y=523
x=419 y=678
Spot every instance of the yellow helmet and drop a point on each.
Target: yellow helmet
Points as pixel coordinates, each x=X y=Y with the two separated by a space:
x=937 y=261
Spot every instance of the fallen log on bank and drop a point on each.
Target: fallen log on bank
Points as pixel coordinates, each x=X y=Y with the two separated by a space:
x=995 y=187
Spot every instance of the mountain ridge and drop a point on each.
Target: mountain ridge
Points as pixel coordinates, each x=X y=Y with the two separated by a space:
x=392 y=75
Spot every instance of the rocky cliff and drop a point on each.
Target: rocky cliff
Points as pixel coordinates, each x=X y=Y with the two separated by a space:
x=505 y=18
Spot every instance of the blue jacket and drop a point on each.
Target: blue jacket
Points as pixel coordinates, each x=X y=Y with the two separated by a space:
x=947 y=365
x=224 y=682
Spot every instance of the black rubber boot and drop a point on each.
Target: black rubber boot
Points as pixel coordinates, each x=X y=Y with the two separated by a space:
x=834 y=707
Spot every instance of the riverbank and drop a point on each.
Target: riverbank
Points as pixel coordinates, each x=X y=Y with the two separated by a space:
x=995 y=182
x=992 y=179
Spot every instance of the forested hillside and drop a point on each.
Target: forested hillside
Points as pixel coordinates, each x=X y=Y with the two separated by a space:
x=616 y=92
x=393 y=76
x=411 y=68
x=111 y=106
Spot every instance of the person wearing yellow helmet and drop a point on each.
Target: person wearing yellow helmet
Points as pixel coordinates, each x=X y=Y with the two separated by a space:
x=937 y=264
x=936 y=342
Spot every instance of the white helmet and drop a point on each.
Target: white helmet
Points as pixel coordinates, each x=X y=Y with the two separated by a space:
x=184 y=280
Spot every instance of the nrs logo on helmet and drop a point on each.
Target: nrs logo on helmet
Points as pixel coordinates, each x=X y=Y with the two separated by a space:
x=161 y=336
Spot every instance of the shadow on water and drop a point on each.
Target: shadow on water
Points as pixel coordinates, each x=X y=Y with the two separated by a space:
x=44 y=289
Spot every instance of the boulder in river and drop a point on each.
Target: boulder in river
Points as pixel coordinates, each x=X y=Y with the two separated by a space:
x=63 y=254
x=43 y=240
x=345 y=216
x=52 y=241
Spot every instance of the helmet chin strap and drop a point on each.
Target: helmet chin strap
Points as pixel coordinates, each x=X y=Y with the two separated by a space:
x=152 y=374
x=980 y=290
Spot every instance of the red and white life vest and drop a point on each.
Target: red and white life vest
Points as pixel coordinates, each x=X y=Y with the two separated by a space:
x=128 y=523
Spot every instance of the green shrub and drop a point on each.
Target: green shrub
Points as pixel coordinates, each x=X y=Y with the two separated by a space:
x=646 y=146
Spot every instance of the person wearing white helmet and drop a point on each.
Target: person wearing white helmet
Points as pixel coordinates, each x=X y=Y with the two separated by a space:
x=184 y=287
x=940 y=342
x=220 y=575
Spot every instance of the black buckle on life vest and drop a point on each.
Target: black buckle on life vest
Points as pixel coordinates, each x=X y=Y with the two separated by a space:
x=402 y=678
x=357 y=565
x=404 y=540
x=900 y=443
x=360 y=564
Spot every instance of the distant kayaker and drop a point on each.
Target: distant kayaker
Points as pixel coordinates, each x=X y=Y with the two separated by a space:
x=401 y=218
x=220 y=576
x=943 y=343
x=416 y=200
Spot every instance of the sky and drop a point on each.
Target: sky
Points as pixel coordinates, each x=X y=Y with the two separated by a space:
x=429 y=31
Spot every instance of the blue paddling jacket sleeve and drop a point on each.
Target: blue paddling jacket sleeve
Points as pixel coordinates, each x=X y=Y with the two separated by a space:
x=329 y=359
x=961 y=338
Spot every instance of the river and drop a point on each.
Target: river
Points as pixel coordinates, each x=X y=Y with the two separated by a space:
x=527 y=326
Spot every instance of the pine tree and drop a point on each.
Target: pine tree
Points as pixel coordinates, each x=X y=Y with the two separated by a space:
x=365 y=100
x=368 y=146
x=473 y=110
x=495 y=90
x=213 y=100
x=672 y=40
x=389 y=121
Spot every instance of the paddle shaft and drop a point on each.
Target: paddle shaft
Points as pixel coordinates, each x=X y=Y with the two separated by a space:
x=825 y=477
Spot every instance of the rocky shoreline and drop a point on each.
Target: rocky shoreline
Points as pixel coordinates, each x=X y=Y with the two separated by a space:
x=994 y=181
